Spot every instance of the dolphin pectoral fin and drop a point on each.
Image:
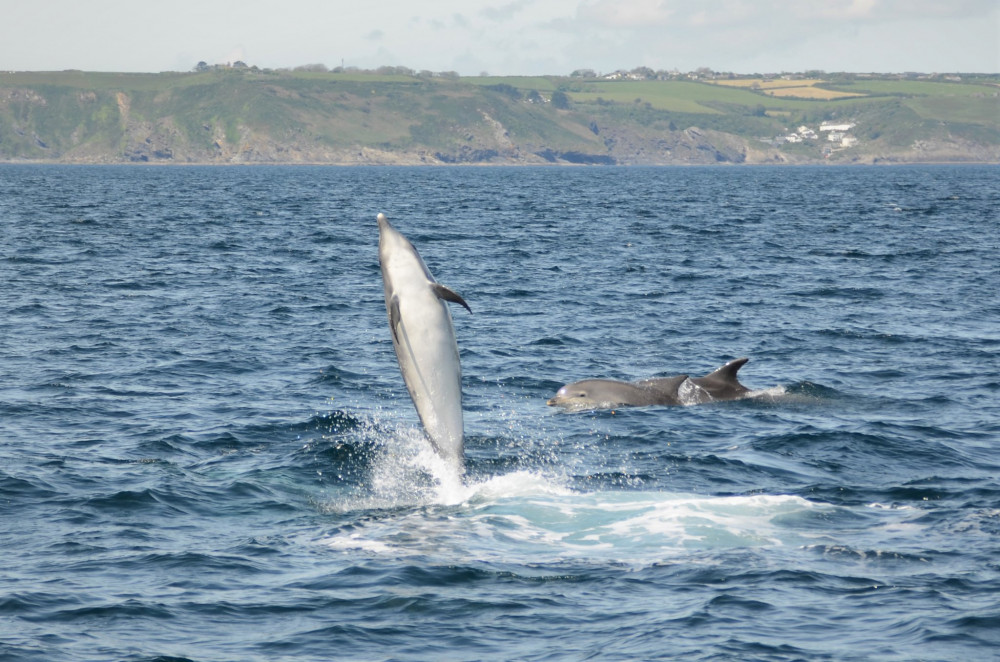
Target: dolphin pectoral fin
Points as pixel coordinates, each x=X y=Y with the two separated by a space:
x=446 y=294
x=394 y=317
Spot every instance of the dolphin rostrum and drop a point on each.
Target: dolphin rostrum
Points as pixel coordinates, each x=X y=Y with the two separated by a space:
x=424 y=340
x=680 y=390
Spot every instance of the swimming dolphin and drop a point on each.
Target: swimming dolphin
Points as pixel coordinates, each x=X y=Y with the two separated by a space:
x=424 y=340
x=680 y=390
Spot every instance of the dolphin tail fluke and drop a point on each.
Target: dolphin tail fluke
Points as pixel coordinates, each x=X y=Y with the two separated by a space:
x=446 y=294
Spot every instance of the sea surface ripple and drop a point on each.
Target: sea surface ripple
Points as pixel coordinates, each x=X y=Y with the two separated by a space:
x=207 y=452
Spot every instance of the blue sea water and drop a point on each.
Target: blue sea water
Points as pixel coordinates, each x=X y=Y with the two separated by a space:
x=207 y=451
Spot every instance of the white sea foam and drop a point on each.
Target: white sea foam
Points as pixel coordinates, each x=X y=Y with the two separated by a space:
x=773 y=392
x=531 y=516
x=548 y=525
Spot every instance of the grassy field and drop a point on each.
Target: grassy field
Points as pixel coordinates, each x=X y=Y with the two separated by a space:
x=800 y=89
x=974 y=110
x=89 y=80
x=538 y=83
x=671 y=96
x=914 y=88
x=777 y=97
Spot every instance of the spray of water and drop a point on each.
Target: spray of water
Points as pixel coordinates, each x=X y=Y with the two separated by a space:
x=422 y=506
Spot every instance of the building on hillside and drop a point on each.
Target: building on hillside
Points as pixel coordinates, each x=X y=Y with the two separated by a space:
x=842 y=128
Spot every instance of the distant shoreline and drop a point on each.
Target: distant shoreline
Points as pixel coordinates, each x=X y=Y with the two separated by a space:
x=245 y=116
x=293 y=164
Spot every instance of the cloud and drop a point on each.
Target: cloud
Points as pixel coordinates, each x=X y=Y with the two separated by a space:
x=880 y=11
x=627 y=14
x=641 y=14
x=777 y=35
x=504 y=12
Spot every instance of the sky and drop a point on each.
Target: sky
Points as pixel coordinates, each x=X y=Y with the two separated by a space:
x=505 y=37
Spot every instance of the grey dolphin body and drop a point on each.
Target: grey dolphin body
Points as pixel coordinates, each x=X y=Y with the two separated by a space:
x=680 y=390
x=424 y=339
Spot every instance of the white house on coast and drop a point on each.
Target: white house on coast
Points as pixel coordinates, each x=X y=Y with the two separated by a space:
x=835 y=133
x=839 y=128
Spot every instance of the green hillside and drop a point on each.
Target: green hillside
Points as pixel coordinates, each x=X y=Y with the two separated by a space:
x=245 y=115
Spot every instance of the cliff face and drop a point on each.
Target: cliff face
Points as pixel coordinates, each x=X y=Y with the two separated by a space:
x=228 y=117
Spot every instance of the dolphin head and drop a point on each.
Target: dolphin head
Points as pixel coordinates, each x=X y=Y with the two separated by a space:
x=394 y=247
x=386 y=233
x=566 y=395
x=593 y=394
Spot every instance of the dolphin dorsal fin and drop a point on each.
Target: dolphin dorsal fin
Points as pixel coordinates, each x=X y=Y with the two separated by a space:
x=728 y=372
x=446 y=294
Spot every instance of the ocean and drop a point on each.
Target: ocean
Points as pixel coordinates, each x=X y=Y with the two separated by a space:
x=207 y=451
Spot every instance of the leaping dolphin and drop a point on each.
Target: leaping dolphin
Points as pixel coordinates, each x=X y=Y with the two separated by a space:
x=424 y=340
x=680 y=390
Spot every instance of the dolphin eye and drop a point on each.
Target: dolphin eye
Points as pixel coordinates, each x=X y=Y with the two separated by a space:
x=580 y=394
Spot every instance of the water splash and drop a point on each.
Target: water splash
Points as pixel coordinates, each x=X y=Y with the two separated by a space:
x=419 y=505
x=406 y=472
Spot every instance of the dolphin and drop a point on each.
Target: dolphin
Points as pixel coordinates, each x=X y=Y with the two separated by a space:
x=680 y=390
x=424 y=340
